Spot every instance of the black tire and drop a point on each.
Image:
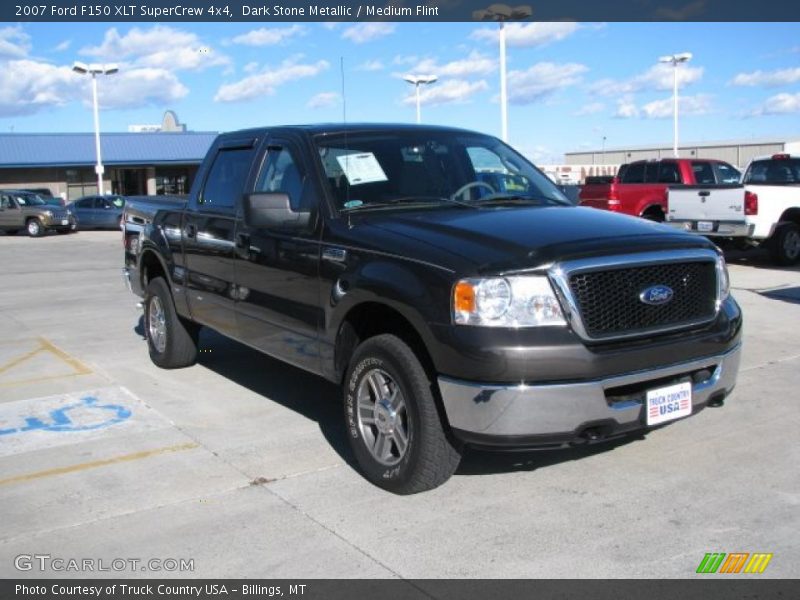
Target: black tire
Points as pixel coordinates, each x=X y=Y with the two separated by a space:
x=654 y=214
x=178 y=347
x=430 y=458
x=785 y=244
x=34 y=228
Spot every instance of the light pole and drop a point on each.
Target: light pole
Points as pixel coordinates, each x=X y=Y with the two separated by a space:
x=675 y=60
x=502 y=13
x=416 y=81
x=94 y=70
x=603 y=154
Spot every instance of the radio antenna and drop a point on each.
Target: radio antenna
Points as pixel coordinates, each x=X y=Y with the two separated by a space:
x=344 y=98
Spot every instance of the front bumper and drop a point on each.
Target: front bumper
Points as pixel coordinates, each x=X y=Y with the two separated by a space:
x=567 y=413
x=720 y=228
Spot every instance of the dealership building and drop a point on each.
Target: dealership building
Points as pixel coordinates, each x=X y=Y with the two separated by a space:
x=159 y=159
x=736 y=152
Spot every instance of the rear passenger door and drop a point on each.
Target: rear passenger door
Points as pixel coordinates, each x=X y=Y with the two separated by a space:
x=10 y=214
x=208 y=237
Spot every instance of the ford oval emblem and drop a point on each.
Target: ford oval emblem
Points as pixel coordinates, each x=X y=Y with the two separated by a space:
x=656 y=295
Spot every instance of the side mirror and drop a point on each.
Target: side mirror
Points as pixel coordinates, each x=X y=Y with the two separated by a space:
x=272 y=210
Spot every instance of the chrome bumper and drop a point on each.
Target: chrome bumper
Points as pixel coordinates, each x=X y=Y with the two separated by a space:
x=561 y=409
x=721 y=228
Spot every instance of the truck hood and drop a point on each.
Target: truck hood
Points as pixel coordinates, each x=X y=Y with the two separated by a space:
x=506 y=239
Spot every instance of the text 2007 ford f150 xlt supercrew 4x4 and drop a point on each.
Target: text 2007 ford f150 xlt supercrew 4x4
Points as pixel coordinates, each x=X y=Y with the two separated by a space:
x=444 y=282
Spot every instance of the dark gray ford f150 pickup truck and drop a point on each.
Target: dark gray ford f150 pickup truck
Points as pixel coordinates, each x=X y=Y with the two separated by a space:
x=445 y=283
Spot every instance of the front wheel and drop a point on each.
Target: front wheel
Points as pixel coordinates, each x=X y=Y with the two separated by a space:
x=786 y=244
x=392 y=422
x=171 y=341
x=34 y=228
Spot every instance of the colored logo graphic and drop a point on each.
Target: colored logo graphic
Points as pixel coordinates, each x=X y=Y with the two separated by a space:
x=736 y=562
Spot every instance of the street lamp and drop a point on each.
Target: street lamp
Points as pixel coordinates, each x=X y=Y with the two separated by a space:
x=416 y=81
x=675 y=60
x=502 y=13
x=94 y=70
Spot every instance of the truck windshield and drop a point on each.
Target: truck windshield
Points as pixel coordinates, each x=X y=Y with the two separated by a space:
x=777 y=171
x=372 y=170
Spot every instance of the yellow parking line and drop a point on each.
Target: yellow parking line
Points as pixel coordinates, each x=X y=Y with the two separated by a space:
x=22 y=358
x=80 y=368
x=99 y=463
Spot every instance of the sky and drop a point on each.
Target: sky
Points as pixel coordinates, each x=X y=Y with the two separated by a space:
x=569 y=84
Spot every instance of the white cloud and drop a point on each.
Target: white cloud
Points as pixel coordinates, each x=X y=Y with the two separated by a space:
x=330 y=25
x=323 y=100
x=767 y=78
x=699 y=104
x=14 y=42
x=780 y=104
x=250 y=67
x=626 y=108
x=370 y=65
x=475 y=64
x=63 y=46
x=269 y=36
x=452 y=91
x=159 y=47
x=142 y=86
x=268 y=80
x=525 y=35
x=405 y=59
x=367 y=32
x=590 y=109
x=657 y=77
x=28 y=86
x=542 y=79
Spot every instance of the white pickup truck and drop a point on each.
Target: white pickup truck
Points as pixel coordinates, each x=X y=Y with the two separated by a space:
x=765 y=210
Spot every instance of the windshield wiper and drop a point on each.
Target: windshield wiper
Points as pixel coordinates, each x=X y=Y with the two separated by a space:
x=408 y=200
x=517 y=199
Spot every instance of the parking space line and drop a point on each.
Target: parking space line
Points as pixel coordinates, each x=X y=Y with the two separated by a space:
x=99 y=463
x=45 y=345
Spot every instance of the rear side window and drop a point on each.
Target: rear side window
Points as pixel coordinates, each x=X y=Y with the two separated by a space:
x=668 y=173
x=634 y=173
x=226 y=178
x=85 y=203
x=775 y=171
x=703 y=173
x=726 y=173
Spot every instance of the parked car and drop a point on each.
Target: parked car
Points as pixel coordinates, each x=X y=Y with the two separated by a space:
x=381 y=258
x=640 y=188
x=28 y=211
x=766 y=211
x=98 y=212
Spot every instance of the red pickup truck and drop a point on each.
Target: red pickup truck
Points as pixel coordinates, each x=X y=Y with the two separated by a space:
x=640 y=188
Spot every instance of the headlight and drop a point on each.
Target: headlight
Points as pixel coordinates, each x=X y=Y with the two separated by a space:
x=49 y=213
x=525 y=301
x=723 y=280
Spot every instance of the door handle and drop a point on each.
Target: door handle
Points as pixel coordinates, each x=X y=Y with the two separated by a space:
x=243 y=241
x=191 y=230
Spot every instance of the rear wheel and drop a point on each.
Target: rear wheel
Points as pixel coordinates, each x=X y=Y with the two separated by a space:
x=654 y=214
x=171 y=341
x=785 y=244
x=392 y=421
x=34 y=228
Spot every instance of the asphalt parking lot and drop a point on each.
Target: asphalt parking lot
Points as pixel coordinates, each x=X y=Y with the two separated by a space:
x=240 y=463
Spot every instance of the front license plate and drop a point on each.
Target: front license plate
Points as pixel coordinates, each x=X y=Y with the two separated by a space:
x=64 y=222
x=705 y=226
x=668 y=403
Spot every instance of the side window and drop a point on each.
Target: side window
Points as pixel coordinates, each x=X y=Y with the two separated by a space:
x=634 y=173
x=651 y=172
x=226 y=178
x=726 y=173
x=703 y=173
x=668 y=173
x=280 y=173
x=5 y=202
x=85 y=203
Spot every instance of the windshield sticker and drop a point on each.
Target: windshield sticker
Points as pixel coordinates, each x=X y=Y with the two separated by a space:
x=353 y=203
x=361 y=168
